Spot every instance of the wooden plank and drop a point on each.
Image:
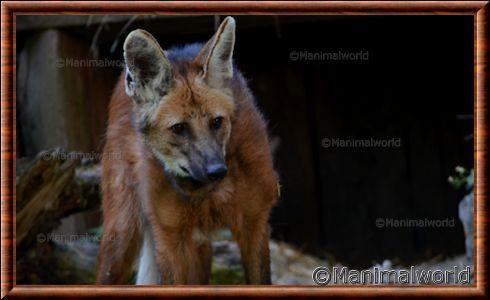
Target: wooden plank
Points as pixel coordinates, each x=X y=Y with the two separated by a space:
x=64 y=94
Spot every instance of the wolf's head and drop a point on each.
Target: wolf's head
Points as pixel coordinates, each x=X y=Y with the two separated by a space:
x=184 y=104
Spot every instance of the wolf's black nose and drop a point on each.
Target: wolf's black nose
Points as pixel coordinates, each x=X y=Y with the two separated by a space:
x=216 y=171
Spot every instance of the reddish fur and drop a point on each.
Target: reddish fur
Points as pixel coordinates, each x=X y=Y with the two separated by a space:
x=136 y=194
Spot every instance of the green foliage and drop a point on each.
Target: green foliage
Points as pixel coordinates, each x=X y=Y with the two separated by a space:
x=462 y=178
x=223 y=276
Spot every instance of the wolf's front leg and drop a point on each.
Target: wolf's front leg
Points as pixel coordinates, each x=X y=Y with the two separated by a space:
x=253 y=239
x=118 y=250
x=183 y=260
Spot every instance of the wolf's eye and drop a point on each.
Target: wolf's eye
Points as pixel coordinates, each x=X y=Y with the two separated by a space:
x=178 y=128
x=216 y=123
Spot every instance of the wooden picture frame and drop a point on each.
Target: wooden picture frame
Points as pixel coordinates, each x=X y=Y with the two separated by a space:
x=10 y=9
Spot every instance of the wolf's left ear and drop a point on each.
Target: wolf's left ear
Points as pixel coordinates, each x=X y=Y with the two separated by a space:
x=217 y=54
x=148 y=71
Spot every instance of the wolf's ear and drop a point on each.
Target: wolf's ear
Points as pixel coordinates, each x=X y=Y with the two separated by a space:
x=148 y=71
x=217 y=54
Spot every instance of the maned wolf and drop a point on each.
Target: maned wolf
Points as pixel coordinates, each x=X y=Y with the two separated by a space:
x=195 y=158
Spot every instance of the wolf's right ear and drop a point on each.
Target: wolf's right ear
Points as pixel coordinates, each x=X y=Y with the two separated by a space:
x=216 y=56
x=148 y=71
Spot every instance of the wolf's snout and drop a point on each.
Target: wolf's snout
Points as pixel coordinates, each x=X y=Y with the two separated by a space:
x=216 y=171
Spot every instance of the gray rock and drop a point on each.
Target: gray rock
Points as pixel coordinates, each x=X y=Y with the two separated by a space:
x=466 y=211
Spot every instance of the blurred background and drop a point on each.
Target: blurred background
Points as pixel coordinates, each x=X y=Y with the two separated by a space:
x=402 y=85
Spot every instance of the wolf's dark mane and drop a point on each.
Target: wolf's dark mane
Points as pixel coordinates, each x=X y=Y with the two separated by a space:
x=184 y=53
x=181 y=56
